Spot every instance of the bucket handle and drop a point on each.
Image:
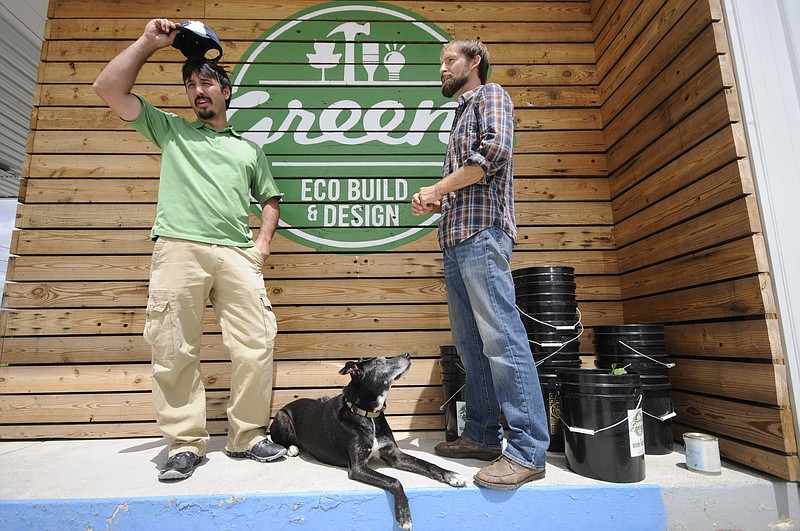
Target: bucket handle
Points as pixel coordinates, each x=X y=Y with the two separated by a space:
x=662 y=418
x=667 y=365
x=441 y=408
x=559 y=345
x=584 y=431
x=554 y=327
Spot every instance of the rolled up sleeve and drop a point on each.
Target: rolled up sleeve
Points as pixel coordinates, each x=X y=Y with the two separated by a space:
x=492 y=150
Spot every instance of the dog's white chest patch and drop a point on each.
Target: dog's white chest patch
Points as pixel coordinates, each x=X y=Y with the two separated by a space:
x=375 y=446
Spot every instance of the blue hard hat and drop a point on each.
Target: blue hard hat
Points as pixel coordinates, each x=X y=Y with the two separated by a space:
x=194 y=39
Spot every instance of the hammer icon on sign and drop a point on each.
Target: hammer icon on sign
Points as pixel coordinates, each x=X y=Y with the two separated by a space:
x=350 y=30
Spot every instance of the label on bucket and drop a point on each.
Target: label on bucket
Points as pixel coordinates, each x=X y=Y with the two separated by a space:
x=554 y=407
x=636 y=432
x=461 y=416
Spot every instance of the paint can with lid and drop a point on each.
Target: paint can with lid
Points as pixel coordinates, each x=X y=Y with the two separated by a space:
x=702 y=453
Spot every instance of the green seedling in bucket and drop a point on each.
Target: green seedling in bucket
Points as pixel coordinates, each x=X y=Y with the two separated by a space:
x=617 y=370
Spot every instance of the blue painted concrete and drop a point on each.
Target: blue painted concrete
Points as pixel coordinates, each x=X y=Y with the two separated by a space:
x=625 y=507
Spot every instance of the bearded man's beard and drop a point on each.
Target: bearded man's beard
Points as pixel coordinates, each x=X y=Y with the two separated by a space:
x=207 y=114
x=453 y=84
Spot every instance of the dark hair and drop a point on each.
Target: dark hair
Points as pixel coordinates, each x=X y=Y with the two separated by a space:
x=473 y=48
x=206 y=68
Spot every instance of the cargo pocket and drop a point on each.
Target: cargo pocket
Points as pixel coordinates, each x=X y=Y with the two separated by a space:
x=270 y=322
x=159 y=329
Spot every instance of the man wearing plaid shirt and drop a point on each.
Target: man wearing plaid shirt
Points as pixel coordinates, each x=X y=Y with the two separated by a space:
x=477 y=231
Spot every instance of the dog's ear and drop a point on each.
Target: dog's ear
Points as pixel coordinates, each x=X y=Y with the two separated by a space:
x=351 y=367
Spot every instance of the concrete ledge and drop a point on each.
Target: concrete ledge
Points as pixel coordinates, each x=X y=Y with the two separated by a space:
x=112 y=484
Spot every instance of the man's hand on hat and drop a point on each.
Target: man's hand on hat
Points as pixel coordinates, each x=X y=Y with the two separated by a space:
x=161 y=32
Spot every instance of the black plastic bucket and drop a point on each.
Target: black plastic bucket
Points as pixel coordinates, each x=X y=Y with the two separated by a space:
x=654 y=366
x=552 y=404
x=544 y=296
x=658 y=412
x=548 y=365
x=540 y=287
x=526 y=287
x=542 y=346
x=640 y=348
x=547 y=302
x=604 y=426
x=454 y=392
x=549 y=273
x=453 y=381
x=555 y=343
x=568 y=351
x=555 y=350
x=542 y=355
x=625 y=339
x=551 y=356
x=623 y=348
x=628 y=331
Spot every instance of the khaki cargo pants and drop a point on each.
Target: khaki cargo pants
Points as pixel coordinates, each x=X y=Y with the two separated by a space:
x=184 y=275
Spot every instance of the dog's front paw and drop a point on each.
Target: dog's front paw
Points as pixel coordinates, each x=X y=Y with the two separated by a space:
x=402 y=516
x=455 y=480
x=292 y=451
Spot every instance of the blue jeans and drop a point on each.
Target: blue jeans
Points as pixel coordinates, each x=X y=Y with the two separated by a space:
x=493 y=345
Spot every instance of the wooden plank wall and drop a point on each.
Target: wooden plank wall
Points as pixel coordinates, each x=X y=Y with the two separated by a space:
x=73 y=363
x=691 y=249
x=631 y=166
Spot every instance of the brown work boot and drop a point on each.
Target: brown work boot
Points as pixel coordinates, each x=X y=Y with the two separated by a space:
x=463 y=449
x=505 y=474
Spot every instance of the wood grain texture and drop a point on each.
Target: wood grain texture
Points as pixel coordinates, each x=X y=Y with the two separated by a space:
x=631 y=165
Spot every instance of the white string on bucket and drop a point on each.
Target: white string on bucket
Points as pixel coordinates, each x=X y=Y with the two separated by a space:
x=663 y=417
x=554 y=327
x=560 y=345
x=667 y=365
x=441 y=408
x=585 y=431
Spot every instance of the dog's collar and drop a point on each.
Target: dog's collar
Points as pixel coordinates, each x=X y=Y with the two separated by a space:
x=364 y=413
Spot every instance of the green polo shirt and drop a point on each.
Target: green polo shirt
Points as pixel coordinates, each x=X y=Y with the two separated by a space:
x=207 y=179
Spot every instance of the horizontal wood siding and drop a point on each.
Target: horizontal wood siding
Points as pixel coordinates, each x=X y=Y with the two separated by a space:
x=73 y=362
x=687 y=226
x=631 y=166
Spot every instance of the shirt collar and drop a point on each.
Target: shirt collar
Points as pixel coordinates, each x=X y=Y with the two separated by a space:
x=200 y=124
x=464 y=98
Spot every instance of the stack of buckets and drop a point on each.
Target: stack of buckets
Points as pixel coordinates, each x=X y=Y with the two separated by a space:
x=545 y=297
x=453 y=382
x=642 y=349
x=613 y=420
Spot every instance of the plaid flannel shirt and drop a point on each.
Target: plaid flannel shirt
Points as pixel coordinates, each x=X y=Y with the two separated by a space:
x=482 y=135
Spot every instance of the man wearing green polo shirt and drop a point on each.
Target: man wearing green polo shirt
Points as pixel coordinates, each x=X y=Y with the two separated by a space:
x=204 y=251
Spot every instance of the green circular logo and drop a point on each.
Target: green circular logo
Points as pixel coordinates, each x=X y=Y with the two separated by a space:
x=638 y=423
x=345 y=100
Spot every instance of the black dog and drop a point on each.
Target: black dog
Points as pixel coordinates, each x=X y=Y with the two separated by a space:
x=349 y=429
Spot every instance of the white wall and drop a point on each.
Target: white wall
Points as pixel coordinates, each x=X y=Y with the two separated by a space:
x=22 y=24
x=765 y=43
